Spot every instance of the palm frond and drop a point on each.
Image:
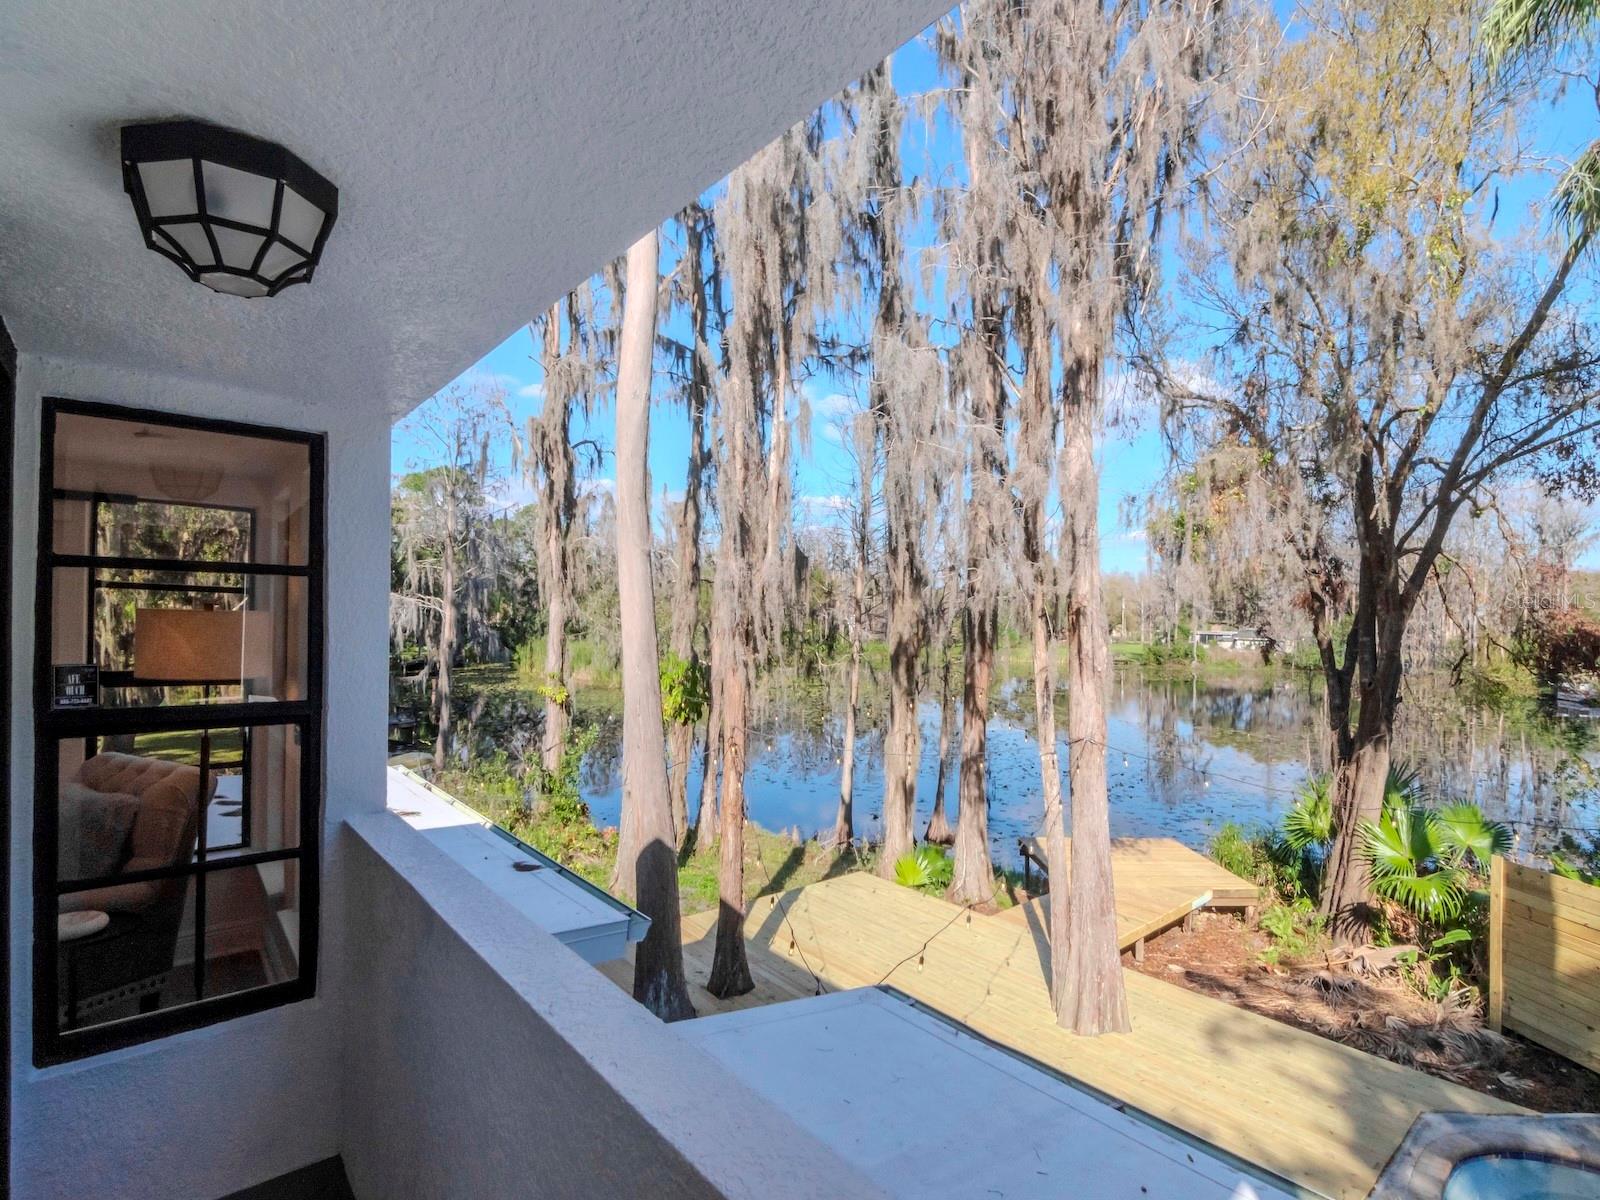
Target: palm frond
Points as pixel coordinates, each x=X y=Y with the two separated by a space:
x=1402 y=787
x=1513 y=28
x=1400 y=842
x=926 y=866
x=1439 y=895
x=1309 y=824
x=1576 y=202
x=1462 y=831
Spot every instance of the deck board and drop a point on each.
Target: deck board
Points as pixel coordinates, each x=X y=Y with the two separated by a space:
x=1159 y=881
x=1322 y=1115
x=1167 y=862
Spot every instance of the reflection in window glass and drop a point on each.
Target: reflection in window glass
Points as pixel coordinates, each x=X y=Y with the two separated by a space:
x=131 y=806
x=187 y=532
x=145 y=489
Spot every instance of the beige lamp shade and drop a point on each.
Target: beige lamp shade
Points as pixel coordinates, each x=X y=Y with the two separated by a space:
x=191 y=645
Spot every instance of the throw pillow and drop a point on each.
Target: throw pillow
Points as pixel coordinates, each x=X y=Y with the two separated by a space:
x=93 y=830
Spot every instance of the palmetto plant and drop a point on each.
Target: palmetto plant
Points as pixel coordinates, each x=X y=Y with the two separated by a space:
x=1308 y=826
x=925 y=867
x=1425 y=859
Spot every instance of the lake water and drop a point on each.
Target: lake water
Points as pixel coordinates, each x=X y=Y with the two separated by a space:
x=1187 y=756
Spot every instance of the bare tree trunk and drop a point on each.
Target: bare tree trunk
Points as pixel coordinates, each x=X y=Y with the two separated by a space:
x=1358 y=788
x=972 y=881
x=557 y=499
x=680 y=747
x=686 y=609
x=939 y=831
x=557 y=703
x=988 y=508
x=1361 y=760
x=844 y=831
x=1363 y=690
x=730 y=968
x=775 y=573
x=647 y=860
x=1044 y=715
x=1086 y=975
x=903 y=737
x=705 y=824
x=448 y=635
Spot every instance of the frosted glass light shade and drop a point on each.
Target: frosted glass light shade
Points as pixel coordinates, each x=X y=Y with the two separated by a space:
x=238 y=214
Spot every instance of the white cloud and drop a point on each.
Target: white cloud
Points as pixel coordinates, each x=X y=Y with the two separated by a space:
x=493 y=380
x=597 y=485
x=834 y=406
x=512 y=493
x=824 y=503
x=531 y=391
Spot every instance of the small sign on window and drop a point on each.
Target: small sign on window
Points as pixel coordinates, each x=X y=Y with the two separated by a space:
x=77 y=686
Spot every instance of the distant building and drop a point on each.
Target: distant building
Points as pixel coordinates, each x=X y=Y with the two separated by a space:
x=1234 y=639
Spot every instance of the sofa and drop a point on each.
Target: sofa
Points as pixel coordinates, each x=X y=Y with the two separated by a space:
x=132 y=958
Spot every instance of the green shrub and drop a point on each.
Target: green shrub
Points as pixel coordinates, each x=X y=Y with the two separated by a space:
x=1259 y=855
x=927 y=868
x=493 y=775
x=1236 y=849
x=1296 y=930
x=1436 y=973
x=557 y=821
x=1427 y=860
x=685 y=690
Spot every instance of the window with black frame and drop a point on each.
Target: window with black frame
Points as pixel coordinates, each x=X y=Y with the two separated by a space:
x=179 y=721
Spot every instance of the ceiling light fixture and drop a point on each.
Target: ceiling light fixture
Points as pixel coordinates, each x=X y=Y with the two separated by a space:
x=238 y=214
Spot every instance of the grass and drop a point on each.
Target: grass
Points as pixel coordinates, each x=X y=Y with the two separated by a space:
x=773 y=862
x=183 y=745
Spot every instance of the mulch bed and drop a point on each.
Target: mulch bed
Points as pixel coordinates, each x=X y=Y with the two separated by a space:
x=1220 y=957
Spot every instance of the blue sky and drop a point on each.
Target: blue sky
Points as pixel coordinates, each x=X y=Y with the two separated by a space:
x=1132 y=455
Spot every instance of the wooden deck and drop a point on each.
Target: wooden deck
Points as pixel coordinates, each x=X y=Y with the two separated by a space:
x=1159 y=882
x=1317 y=1113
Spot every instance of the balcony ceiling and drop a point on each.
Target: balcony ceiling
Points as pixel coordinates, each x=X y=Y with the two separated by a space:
x=489 y=154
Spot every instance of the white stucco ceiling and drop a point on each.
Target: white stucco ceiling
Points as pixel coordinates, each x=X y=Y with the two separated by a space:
x=489 y=154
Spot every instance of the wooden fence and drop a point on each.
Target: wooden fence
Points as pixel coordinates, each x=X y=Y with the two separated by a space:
x=1544 y=959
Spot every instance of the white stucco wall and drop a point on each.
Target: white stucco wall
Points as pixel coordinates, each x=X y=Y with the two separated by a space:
x=201 y=1114
x=485 y=1059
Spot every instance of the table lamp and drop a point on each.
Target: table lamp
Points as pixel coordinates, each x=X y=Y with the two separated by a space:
x=205 y=647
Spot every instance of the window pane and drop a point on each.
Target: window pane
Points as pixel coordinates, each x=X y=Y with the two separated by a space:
x=159 y=529
x=170 y=637
x=254 y=780
x=146 y=490
x=212 y=935
x=129 y=802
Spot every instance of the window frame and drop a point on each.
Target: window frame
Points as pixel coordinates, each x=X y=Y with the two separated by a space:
x=52 y=726
x=123 y=679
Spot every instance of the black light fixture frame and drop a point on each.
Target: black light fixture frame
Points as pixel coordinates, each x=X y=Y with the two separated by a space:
x=200 y=141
